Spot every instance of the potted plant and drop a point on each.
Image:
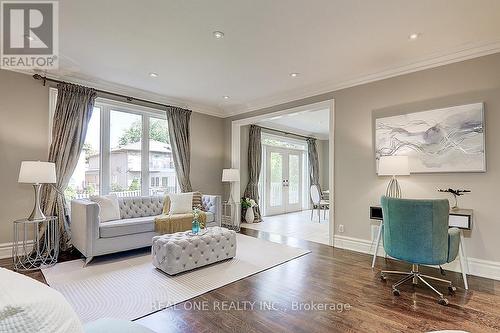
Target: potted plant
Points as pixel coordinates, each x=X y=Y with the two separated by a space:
x=248 y=204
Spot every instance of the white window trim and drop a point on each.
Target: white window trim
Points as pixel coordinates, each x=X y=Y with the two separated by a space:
x=106 y=106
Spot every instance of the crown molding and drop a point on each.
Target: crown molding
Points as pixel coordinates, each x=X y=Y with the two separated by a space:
x=133 y=92
x=464 y=52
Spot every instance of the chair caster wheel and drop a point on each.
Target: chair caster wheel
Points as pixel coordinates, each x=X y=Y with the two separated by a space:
x=452 y=289
x=443 y=301
x=383 y=277
x=395 y=292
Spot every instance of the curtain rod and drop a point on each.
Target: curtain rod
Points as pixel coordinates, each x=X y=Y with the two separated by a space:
x=287 y=133
x=128 y=98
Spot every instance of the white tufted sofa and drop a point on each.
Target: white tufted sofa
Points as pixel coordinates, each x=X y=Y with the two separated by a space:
x=134 y=229
x=180 y=252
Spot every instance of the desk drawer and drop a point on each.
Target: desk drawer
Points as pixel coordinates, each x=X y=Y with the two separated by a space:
x=460 y=221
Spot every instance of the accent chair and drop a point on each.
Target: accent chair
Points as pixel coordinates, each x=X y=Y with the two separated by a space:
x=416 y=231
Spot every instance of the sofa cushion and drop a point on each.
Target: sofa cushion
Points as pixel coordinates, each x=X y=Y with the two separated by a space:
x=181 y=203
x=108 y=207
x=210 y=217
x=140 y=206
x=125 y=227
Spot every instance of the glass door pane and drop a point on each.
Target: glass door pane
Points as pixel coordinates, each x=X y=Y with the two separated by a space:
x=293 y=179
x=125 y=156
x=276 y=180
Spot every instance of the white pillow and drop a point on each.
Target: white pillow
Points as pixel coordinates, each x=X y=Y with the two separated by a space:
x=109 y=209
x=181 y=203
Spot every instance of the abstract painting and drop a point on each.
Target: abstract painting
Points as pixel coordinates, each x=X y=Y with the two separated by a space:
x=441 y=140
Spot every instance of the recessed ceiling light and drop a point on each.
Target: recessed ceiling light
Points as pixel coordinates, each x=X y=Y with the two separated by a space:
x=414 y=36
x=218 y=34
x=225 y=97
x=294 y=74
x=153 y=74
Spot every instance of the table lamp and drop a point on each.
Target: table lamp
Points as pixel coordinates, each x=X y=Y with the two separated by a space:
x=230 y=176
x=37 y=173
x=393 y=166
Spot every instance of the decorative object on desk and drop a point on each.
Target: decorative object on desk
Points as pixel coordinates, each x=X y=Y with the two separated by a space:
x=230 y=176
x=393 y=166
x=441 y=140
x=37 y=173
x=248 y=205
x=195 y=227
x=456 y=193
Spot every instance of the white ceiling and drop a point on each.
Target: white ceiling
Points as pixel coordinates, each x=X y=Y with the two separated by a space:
x=308 y=123
x=115 y=44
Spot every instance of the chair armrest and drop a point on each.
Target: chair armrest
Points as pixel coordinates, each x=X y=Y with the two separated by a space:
x=84 y=225
x=213 y=204
x=453 y=243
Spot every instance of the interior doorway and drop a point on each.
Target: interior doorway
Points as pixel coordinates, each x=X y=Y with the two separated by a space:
x=285 y=177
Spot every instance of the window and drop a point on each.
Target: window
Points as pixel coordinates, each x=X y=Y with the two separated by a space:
x=85 y=180
x=126 y=152
x=125 y=170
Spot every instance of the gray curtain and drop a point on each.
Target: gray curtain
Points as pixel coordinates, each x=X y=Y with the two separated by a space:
x=178 y=131
x=254 y=165
x=312 y=154
x=73 y=111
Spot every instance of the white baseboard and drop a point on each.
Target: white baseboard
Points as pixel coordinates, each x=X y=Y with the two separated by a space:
x=479 y=267
x=6 y=249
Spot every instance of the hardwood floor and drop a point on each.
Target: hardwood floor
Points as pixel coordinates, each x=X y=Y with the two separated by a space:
x=296 y=225
x=330 y=276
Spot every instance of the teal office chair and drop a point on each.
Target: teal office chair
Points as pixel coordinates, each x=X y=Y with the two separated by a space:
x=416 y=231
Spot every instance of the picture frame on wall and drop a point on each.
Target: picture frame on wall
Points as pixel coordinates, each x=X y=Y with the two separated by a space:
x=450 y=139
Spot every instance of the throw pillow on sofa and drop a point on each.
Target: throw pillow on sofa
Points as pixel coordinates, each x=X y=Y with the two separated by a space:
x=181 y=203
x=109 y=208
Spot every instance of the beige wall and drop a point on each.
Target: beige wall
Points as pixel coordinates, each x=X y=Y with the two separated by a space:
x=207 y=153
x=24 y=136
x=356 y=184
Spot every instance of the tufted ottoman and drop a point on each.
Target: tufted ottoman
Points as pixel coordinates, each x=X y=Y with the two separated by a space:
x=180 y=252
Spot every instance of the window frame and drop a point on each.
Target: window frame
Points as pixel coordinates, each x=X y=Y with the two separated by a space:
x=106 y=106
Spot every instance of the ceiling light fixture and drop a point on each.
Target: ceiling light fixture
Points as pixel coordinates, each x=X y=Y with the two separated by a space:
x=153 y=74
x=218 y=34
x=225 y=97
x=414 y=36
x=294 y=74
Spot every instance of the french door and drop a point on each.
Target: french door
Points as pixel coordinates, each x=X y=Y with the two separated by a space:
x=283 y=183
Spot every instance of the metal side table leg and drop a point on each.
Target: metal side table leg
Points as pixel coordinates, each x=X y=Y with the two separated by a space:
x=463 y=261
x=377 y=242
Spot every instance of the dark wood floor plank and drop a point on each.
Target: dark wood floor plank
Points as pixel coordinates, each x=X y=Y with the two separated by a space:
x=333 y=276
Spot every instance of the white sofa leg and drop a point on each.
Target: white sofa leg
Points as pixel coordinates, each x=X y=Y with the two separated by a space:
x=87 y=261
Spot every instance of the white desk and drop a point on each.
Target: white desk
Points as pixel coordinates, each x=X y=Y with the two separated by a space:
x=459 y=218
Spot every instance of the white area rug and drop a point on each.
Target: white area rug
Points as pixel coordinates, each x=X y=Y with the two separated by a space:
x=131 y=287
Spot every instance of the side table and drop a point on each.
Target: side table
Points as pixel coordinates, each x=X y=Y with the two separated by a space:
x=229 y=216
x=36 y=243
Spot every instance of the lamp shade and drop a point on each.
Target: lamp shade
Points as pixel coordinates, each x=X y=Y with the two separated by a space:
x=393 y=166
x=36 y=172
x=230 y=175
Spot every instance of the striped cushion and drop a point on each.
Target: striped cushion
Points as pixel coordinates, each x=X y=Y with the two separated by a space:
x=197 y=200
